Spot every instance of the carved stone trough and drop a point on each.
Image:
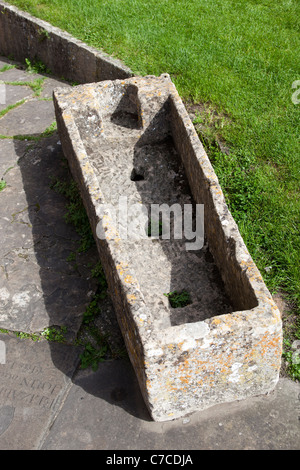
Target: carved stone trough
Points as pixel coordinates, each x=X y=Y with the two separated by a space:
x=131 y=144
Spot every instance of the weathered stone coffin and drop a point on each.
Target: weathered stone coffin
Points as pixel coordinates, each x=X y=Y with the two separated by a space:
x=132 y=140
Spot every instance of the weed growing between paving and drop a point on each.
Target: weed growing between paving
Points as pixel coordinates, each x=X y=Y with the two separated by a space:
x=2 y=185
x=7 y=67
x=36 y=66
x=52 y=333
x=10 y=107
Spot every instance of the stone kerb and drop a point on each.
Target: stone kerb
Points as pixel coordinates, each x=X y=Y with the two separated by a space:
x=224 y=346
x=24 y=37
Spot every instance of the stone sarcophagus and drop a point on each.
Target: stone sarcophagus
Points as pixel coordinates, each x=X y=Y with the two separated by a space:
x=199 y=324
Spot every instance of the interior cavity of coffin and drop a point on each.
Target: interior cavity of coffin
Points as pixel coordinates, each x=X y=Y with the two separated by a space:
x=131 y=144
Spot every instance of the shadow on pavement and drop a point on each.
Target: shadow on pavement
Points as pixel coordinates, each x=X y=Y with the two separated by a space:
x=67 y=286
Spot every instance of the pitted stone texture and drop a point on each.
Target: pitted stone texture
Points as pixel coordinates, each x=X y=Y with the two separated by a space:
x=226 y=344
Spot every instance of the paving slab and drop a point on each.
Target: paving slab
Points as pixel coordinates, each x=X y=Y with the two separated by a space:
x=31 y=118
x=34 y=381
x=15 y=94
x=50 y=84
x=19 y=75
x=105 y=411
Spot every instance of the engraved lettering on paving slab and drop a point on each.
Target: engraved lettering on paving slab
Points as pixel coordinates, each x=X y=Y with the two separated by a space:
x=34 y=380
x=30 y=376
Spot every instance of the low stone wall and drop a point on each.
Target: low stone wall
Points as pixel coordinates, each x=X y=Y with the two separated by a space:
x=23 y=36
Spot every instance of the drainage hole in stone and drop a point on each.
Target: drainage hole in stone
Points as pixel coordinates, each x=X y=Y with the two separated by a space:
x=137 y=175
x=179 y=299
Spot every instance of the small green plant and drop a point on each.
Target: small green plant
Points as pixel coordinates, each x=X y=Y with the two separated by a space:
x=53 y=334
x=2 y=185
x=93 y=308
x=98 y=273
x=92 y=356
x=36 y=85
x=179 y=299
x=56 y=334
x=36 y=67
x=43 y=34
x=4 y=331
x=7 y=67
x=91 y=311
x=10 y=107
x=243 y=95
x=50 y=130
x=71 y=257
x=32 y=336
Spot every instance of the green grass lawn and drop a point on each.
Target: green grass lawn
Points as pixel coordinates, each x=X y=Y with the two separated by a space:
x=237 y=60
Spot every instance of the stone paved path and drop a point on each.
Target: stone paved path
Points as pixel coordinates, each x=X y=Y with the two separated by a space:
x=39 y=287
x=46 y=400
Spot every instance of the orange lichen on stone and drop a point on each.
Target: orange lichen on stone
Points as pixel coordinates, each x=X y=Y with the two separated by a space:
x=131 y=298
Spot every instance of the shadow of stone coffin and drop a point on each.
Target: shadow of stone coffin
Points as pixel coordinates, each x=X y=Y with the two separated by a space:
x=133 y=141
